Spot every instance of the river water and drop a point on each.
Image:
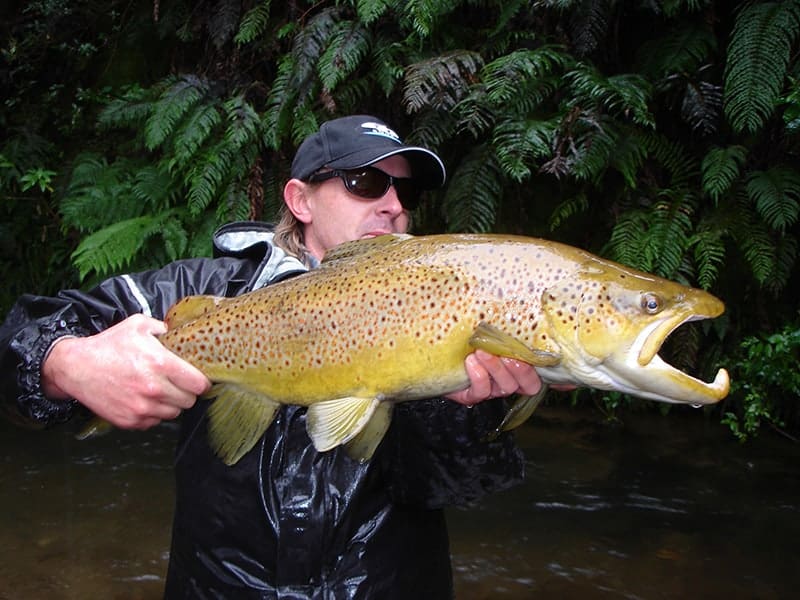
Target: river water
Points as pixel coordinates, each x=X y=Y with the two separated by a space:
x=658 y=508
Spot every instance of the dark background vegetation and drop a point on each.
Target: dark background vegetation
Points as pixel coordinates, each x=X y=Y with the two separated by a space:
x=661 y=134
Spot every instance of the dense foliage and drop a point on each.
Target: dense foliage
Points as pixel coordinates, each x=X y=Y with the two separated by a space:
x=664 y=135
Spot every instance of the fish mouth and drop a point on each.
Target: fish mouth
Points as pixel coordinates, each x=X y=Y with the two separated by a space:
x=665 y=383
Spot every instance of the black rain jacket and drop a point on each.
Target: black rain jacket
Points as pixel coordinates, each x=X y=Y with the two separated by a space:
x=286 y=521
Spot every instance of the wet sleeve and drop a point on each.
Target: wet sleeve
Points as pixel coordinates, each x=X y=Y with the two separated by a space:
x=436 y=453
x=34 y=323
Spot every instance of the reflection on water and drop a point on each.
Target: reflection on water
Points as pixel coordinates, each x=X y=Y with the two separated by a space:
x=662 y=508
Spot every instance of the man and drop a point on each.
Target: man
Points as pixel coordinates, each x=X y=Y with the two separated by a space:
x=285 y=521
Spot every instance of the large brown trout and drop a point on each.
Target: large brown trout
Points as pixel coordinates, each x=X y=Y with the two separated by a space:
x=392 y=318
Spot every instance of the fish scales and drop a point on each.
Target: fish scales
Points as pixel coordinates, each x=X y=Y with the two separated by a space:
x=393 y=318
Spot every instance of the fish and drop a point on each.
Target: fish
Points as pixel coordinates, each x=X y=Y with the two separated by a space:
x=392 y=318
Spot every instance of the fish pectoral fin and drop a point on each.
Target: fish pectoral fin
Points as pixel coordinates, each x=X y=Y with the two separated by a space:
x=364 y=444
x=490 y=339
x=190 y=308
x=520 y=411
x=95 y=427
x=237 y=419
x=331 y=423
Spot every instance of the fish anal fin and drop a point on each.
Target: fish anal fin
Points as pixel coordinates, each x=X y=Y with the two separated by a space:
x=331 y=423
x=494 y=341
x=520 y=411
x=237 y=419
x=190 y=308
x=364 y=444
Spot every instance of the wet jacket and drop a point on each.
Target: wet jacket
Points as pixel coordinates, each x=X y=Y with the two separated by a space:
x=286 y=521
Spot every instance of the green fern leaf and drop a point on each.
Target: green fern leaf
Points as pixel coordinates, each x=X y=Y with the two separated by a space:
x=758 y=58
x=370 y=11
x=171 y=107
x=223 y=21
x=348 y=45
x=720 y=168
x=775 y=194
x=440 y=82
x=195 y=131
x=112 y=248
x=471 y=200
x=509 y=76
x=519 y=144
x=254 y=23
x=681 y=50
x=568 y=208
x=709 y=255
x=623 y=96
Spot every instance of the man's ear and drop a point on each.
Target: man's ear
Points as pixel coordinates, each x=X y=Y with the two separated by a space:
x=294 y=195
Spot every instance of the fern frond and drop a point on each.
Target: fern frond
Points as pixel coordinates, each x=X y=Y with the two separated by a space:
x=702 y=105
x=568 y=208
x=519 y=143
x=776 y=195
x=672 y=156
x=758 y=58
x=759 y=251
x=590 y=25
x=471 y=201
x=622 y=96
x=171 y=107
x=370 y=11
x=387 y=63
x=112 y=248
x=244 y=124
x=594 y=148
x=440 y=82
x=131 y=110
x=720 y=168
x=223 y=21
x=296 y=81
x=506 y=76
x=629 y=155
x=155 y=188
x=681 y=50
x=709 y=255
x=254 y=23
x=194 y=131
x=99 y=193
x=348 y=45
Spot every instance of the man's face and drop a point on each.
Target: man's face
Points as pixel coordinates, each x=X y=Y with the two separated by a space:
x=336 y=216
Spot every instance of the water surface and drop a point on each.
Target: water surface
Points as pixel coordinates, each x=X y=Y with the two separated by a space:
x=660 y=508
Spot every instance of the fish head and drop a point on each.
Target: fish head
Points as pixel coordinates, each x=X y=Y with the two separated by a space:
x=610 y=322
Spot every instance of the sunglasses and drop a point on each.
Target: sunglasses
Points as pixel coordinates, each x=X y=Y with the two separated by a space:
x=372 y=183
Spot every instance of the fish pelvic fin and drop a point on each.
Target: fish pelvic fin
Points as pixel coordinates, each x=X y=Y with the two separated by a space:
x=490 y=339
x=520 y=411
x=95 y=427
x=237 y=419
x=190 y=308
x=331 y=423
x=366 y=441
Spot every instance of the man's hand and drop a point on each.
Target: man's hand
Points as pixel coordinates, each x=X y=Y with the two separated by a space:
x=492 y=376
x=124 y=375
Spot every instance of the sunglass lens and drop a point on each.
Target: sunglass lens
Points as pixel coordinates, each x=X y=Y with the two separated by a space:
x=369 y=183
x=407 y=193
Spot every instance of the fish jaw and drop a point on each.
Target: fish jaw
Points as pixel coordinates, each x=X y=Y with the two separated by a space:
x=610 y=323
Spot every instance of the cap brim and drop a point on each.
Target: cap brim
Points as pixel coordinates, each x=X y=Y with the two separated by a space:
x=426 y=167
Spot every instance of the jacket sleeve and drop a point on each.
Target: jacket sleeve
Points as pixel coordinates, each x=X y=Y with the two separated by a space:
x=35 y=322
x=436 y=453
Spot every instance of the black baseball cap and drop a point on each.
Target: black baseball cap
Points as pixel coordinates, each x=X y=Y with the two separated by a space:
x=359 y=141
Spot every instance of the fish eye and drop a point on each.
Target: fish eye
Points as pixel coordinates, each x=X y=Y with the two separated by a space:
x=651 y=303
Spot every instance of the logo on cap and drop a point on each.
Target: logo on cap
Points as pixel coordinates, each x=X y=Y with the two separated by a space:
x=381 y=130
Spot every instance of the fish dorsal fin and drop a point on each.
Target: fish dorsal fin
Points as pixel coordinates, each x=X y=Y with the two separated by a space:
x=331 y=423
x=492 y=340
x=359 y=247
x=237 y=419
x=363 y=445
x=190 y=308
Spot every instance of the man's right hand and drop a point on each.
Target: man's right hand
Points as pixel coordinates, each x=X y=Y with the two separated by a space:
x=124 y=374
